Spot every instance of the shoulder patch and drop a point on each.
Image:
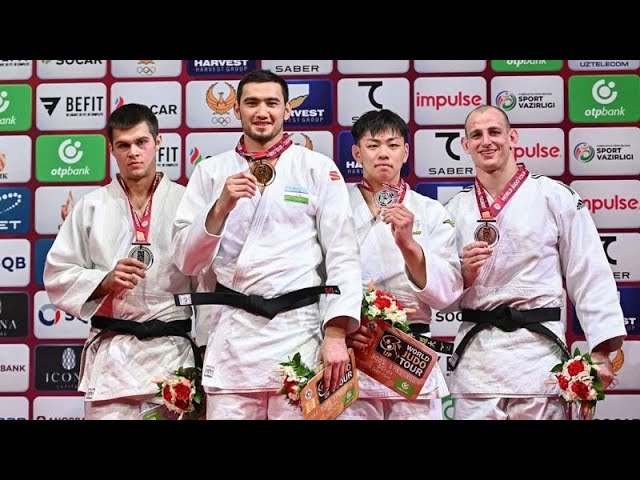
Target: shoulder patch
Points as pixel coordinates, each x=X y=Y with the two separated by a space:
x=334 y=175
x=580 y=204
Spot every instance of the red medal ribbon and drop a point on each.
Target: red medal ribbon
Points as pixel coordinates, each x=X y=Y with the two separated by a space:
x=400 y=188
x=275 y=151
x=141 y=225
x=489 y=212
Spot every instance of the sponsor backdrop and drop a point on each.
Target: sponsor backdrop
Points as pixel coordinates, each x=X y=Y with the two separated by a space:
x=578 y=123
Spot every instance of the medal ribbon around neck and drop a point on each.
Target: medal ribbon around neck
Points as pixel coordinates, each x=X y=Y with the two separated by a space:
x=141 y=225
x=264 y=172
x=489 y=212
x=398 y=190
x=274 y=151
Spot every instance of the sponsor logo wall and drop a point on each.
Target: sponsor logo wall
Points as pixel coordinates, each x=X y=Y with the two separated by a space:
x=578 y=123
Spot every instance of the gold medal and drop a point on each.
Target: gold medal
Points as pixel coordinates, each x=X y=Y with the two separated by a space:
x=264 y=173
x=487 y=232
x=142 y=253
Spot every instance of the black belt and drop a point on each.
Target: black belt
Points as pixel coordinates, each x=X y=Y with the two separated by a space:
x=419 y=331
x=148 y=329
x=266 y=307
x=508 y=319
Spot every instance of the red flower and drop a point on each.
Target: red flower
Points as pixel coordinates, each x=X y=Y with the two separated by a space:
x=382 y=302
x=288 y=386
x=575 y=367
x=563 y=382
x=182 y=391
x=166 y=393
x=581 y=390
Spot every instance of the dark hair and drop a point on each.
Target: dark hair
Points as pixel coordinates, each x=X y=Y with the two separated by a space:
x=263 y=76
x=483 y=108
x=128 y=116
x=377 y=121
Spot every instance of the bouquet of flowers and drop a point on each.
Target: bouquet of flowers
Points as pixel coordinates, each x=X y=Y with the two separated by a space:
x=383 y=305
x=295 y=375
x=182 y=392
x=580 y=383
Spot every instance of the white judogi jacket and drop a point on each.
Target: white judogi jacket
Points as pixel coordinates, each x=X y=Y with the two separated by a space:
x=93 y=238
x=383 y=263
x=545 y=233
x=271 y=244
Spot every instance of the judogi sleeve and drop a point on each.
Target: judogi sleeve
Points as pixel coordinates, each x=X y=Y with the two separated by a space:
x=590 y=283
x=444 y=281
x=339 y=244
x=69 y=274
x=193 y=248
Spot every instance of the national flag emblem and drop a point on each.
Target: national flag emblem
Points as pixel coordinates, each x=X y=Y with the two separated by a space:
x=334 y=175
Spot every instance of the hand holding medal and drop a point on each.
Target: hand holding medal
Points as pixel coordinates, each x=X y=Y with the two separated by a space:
x=264 y=172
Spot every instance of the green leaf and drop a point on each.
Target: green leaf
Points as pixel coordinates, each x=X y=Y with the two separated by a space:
x=597 y=384
x=587 y=357
x=557 y=368
x=600 y=396
x=576 y=352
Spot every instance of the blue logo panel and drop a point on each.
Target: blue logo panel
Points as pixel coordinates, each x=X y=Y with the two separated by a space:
x=311 y=102
x=630 y=302
x=15 y=210
x=346 y=163
x=207 y=68
x=42 y=249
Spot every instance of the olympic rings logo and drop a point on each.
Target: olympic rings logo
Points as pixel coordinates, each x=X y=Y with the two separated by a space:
x=222 y=121
x=146 y=69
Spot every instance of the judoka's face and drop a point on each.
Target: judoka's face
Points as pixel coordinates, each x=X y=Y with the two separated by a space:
x=489 y=140
x=381 y=155
x=135 y=151
x=262 y=111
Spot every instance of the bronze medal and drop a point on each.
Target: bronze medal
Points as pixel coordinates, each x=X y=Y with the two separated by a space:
x=264 y=173
x=141 y=252
x=384 y=198
x=487 y=232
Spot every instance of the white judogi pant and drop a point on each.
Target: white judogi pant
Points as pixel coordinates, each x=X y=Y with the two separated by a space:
x=497 y=408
